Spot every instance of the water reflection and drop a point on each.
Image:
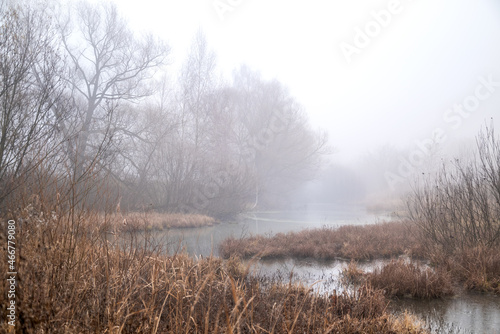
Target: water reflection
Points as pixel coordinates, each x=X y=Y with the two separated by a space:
x=321 y=276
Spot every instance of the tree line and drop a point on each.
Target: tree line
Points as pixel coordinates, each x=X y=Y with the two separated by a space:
x=93 y=116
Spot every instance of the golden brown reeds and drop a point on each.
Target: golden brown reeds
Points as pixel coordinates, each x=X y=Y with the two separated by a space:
x=478 y=268
x=366 y=242
x=158 y=221
x=74 y=278
x=400 y=278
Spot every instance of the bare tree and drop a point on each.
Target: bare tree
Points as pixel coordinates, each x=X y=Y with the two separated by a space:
x=197 y=83
x=109 y=66
x=181 y=162
x=148 y=135
x=254 y=147
x=29 y=85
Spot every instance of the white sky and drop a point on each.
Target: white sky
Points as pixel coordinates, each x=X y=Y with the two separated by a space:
x=397 y=89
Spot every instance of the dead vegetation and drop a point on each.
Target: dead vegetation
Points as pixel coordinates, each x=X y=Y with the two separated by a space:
x=157 y=221
x=456 y=212
x=403 y=278
x=367 y=242
x=74 y=279
x=477 y=268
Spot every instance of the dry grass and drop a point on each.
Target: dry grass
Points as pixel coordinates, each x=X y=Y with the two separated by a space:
x=478 y=268
x=352 y=274
x=73 y=279
x=409 y=278
x=347 y=242
x=402 y=278
x=155 y=221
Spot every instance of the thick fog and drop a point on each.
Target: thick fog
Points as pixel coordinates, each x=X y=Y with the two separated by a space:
x=222 y=106
x=390 y=81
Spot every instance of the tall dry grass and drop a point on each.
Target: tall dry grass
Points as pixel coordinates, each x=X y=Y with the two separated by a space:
x=366 y=242
x=158 y=221
x=477 y=268
x=401 y=278
x=74 y=278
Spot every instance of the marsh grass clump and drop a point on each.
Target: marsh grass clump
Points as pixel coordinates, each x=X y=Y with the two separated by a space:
x=477 y=268
x=400 y=278
x=352 y=274
x=367 y=242
x=158 y=221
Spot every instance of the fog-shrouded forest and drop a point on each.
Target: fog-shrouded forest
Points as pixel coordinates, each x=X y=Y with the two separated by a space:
x=91 y=108
x=249 y=167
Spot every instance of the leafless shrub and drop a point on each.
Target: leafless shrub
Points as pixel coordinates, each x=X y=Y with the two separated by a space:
x=458 y=215
x=460 y=207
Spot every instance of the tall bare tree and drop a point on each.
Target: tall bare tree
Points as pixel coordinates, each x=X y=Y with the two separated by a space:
x=29 y=85
x=109 y=66
x=149 y=134
x=182 y=161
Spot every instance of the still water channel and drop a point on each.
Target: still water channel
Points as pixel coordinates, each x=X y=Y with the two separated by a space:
x=467 y=313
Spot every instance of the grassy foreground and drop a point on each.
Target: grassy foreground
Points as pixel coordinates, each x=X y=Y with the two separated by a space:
x=73 y=279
